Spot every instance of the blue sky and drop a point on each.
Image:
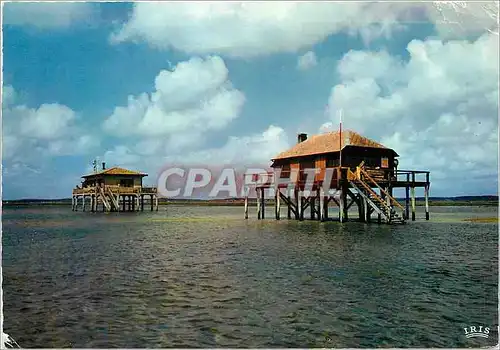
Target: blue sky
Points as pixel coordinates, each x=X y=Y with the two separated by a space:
x=232 y=82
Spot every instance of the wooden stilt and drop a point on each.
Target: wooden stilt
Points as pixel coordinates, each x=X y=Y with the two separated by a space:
x=156 y=202
x=359 y=203
x=413 y=203
x=312 y=204
x=263 y=205
x=346 y=208
x=367 y=209
x=259 y=204
x=278 y=204
x=325 y=207
x=426 y=189
x=407 y=202
x=321 y=196
x=297 y=202
x=341 y=206
x=246 y=203
x=289 y=206
x=299 y=205
x=413 y=197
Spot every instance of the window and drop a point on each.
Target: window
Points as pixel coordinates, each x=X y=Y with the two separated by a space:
x=285 y=171
x=332 y=162
x=126 y=183
x=385 y=162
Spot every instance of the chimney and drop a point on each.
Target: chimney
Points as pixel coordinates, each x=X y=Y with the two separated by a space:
x=301 y=138
x=103 y=166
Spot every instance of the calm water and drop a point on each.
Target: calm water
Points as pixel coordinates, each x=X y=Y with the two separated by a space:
x=204 y=277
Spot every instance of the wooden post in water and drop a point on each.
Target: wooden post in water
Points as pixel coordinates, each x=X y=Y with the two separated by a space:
x=246 y=202
x=289 y=206
x=263 y=205
x=278 y=203
x=426 y=189
x=259 y=209
x=341 y=206
x=156 y=202
x=321 y=196
x=360 y=203
x=413 y=197
x=325 y=207
x=312 y=204
x=344 y=200
x=367 y=210
x=299 y=205
x=407 y=197
x=296 y=195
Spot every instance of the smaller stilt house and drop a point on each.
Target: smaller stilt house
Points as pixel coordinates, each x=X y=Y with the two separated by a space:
x=348 y=169
x=114 y=189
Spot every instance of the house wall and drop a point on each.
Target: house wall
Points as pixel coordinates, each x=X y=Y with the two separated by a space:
x=351 y=157
x=114 y=180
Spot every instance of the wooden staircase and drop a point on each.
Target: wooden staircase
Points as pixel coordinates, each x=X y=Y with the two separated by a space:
x=104 y=199
x=114 y=202
x=363 y=183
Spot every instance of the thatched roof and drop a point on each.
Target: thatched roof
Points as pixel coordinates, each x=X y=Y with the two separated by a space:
x=328 y=143
x=116 y=171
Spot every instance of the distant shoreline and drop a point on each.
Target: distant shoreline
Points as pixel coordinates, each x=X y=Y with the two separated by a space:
x=475 y=201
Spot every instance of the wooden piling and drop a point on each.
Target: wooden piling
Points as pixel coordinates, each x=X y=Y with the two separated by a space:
x=321 y=196
x=426 y=189
x=259 y=203
x=263 y=204
x=413 y=197
x=277 y=204
x=341 y=206
x=360 y=203
x=325 y=207
x=289 y=206
x=246 y=203
x=312 y=204
x=299 y=205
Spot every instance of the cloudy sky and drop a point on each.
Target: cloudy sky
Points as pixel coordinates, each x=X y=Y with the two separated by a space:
x=146 y=84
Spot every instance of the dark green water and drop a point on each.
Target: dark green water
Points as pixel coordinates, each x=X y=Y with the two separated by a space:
x=204 y=277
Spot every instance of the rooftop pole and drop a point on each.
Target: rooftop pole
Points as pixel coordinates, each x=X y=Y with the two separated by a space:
x=340 y=139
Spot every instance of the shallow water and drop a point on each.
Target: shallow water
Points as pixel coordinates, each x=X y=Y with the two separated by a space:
x=204 y=277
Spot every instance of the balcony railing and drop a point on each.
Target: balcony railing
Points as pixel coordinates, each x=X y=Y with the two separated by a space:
x=116 y=190
x=378 y=174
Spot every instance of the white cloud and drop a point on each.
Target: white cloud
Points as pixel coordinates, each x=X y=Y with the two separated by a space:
x=246 y=29
x=438 y=110
x=306 y=61
x=47 y=15
x=33 y=133
x=251 y=28
x=192 y=98
x=49 y=121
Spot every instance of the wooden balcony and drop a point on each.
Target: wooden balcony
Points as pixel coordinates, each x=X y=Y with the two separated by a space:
x=116 y=190
x=396 y=178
